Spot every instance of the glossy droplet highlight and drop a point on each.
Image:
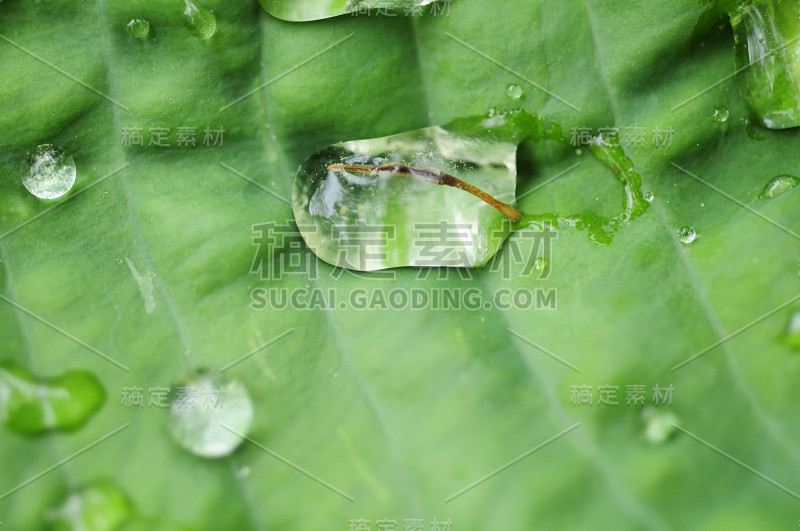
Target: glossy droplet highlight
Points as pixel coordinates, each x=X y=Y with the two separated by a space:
x=791 y=334
x=199 y=408
x=32 y=406
x=48 y=172
x=514 y=92
x=648 y=196
x=778 y=185
x=99 y=506
x=687 y=234
x=540 y=263
x=373 y=204
x=767 y=53
x=659 y=425
x=138 y=28
x=200 y=21
x=720 y=114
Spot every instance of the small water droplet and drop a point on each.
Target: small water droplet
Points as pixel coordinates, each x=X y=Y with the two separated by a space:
x=32 y=405
x=540 y=263
x=138 y=28
x=791 y=335
x=658 y=424
x=515 y=91
x=48 y=172
x=721 y=114
x=579 y=151
x=101 y=506
x=778 y=185
x=201 y=21
x=242 y=472
x=687 y=234
x=648 y=196
x=201 y=404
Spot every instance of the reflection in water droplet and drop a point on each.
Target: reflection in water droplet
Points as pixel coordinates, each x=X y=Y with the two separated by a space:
x=138 y=28
x=648 y=196
x=778 y=185
x=31 y=405
x=373 y=204
x=515 y=92
x=540 y=263
x=687 y=234
x=721 y=114
x=791 y=335
x=658 y=424
x=202 y=403
x=201 y=21
x=99 y=506
x=48 y=172
x=305 y=10
x=397 y=188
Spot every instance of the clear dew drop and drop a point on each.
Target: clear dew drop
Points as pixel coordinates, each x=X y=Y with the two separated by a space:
x=99 y=506
x=48 y=171
x=721 y=114
x=778 y=185
x=540 y=263
x=306 y=10
x=201 y=404
x=514 y=92
x=201 y=22
x=391 y=183
x=31 y=405
x=687 y=234
x=658 y=424
x=137 y=28
x=648 y=196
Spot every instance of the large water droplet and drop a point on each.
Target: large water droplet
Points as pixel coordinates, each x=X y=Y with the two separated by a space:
x=687 y=234
x=201 y=21
x=138 y=28
x=99 y=506
x=304 y=10
x=31 y=405
x=721 y=114
x=404 y=200
x=778 y=185
x=201 y=405
x=515 y=92
x=48 y=172
x=766 y=49
x=658 y=424
x=649 y=196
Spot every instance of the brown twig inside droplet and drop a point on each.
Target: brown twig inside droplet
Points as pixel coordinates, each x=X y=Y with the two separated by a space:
x=436 y=177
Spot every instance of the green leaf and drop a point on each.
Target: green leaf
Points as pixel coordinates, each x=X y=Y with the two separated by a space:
x=148 y=261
